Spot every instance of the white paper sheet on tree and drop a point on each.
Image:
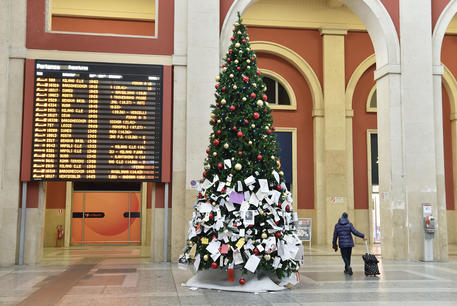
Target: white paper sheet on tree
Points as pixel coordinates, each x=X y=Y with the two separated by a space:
x=249 y=181
x=213 y=247
x=263 y=185
x=252 y=263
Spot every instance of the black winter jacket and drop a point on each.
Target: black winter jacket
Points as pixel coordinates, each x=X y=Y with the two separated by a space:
x=343 y=230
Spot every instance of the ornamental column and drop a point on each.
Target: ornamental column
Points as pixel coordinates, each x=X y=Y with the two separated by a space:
x=334 y=147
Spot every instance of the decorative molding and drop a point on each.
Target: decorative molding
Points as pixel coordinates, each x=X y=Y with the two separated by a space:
x=438 y=70
x=298 y=62
x=333 y=31
x=355 y=77
x=179 y=60
x=370 y=95
x=318 y=112
x=386 y=70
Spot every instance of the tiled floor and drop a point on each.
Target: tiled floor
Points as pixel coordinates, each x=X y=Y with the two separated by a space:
x=124 y=276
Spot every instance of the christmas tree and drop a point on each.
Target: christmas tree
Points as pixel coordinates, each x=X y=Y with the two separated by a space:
x=243 y=216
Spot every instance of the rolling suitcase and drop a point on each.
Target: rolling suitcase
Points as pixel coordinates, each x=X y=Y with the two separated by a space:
x=371 y=263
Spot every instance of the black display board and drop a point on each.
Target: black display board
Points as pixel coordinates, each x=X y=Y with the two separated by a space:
x=97 y=122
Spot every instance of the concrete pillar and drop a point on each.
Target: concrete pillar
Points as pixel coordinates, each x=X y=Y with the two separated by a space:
x=334 y=127
x=12 y=50
x=416 y=153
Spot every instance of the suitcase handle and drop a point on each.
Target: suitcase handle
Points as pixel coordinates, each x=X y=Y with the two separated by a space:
x=366 y=244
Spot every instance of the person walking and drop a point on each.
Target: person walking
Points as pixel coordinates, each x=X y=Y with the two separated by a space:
x=343 y=231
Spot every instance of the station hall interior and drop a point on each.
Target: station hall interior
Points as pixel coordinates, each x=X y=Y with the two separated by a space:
x=363 y=96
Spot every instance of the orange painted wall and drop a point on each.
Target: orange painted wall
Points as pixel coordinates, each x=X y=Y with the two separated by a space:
x=55 y=195
x=300 y=119
x=449 y=50
x=224 y=7
x=358 y=47
x=393 y=8
x=447 y=138
x=437 y=9
x=361 y=122
x=307 y=43
x=98 y=25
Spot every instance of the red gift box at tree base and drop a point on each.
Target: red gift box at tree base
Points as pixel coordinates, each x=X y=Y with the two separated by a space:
x=242 y=235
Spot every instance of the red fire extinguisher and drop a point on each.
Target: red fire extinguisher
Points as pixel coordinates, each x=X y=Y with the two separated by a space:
x=59 y=235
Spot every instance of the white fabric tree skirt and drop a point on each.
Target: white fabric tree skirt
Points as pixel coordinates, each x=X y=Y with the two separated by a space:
x=218 y=279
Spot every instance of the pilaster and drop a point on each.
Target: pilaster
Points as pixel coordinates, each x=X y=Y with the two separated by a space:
x=335 y=146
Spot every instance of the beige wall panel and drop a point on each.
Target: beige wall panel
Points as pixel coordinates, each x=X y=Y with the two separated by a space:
x=157 y=241
x=52 y=219
x=360 y=221
x=132 y=9
x=452 y=226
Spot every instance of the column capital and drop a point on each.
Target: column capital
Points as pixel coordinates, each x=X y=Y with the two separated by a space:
x=333 y=31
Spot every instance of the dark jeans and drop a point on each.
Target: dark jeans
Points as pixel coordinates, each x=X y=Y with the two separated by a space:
x=346 y=254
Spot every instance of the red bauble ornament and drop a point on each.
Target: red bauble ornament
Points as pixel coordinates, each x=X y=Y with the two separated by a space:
x=217 y=104
x=216 y=142
x=217 y=86
x=234 y=128
x=259 y=157
x=245 y=79
x=214 y=265
x=276 y=222
x=232 y=108
x=287 y=208
x=232 y=38
x=207 y=150
x=253 y=95
x=280 y=205
x=256 y=251
x=220 y=166
x=230 y=50
x=204 y=173
x=234 y=224
x=256 y=115
x=238 y=68
x=214 y=236
x=223 y=65
x=243 y=41
x=223 y=88
x=264 y=97
x=211 y=216
x=223 y=190
x=278 y=234
x=252 y=58
x=278 y=187
x=274 y=129
x=258 y=72
x=246 y=121
x=240 y=153
x=268 y=131
x=213 y=121
x=239 y=134
x=242 y=281
x=265 y=111
x=218 y=132
x=228 y=59
x=200 y=195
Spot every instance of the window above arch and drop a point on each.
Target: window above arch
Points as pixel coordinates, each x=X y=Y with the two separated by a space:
x=372 y=101
x=280 y=94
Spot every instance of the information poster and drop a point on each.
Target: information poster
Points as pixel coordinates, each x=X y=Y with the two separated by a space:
x=304 y=227
x=97 y=121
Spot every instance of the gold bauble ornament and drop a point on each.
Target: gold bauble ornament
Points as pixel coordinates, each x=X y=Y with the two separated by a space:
x=233 y=158
x=207 y=167
x=248 y=49
x=223 y=101
x=236 y=24
x=231 y=75
x=259 y=102
x=217 y=79
x=281 y=173
x=212 y=115
x=214 y=203
x=240 y=52
x=261 y=212
x=248 y=67
x=272 y=157
x=224 y=69
x=244 y=99
x=264 y=235
x=235 y=87
x=214 y=153
x=218 y=120
x=189 y=242
x=226 y=146
x=267 y=257
x=237 y=45
x=248 y=61
x=212 y=136
x=253 y=125
x=236 y=61
x=238 y=166
x=239 y=32
x=205 y=257
x=250 y=142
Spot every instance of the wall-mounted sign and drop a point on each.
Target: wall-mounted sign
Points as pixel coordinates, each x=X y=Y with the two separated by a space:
x=97 y=121
x=304 y=229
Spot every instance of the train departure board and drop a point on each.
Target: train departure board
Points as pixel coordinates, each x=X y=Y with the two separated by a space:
x=97 y=121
